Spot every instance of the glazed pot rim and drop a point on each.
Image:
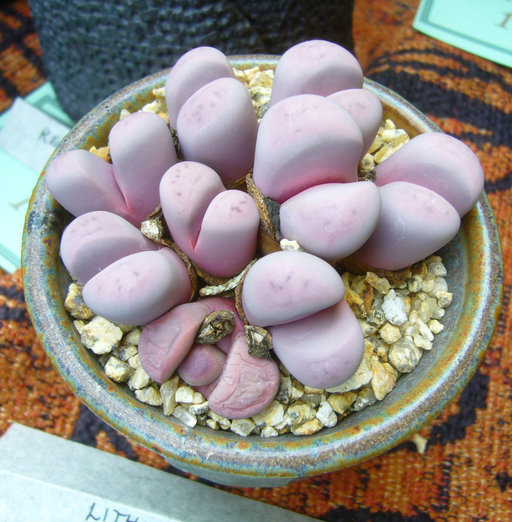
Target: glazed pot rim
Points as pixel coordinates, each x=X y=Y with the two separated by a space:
x=358 y=437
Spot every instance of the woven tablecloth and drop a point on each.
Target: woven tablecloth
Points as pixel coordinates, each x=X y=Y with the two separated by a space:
x=465 y=471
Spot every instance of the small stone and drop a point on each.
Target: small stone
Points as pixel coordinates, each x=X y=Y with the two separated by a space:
x=299 y=413
x=426 y=309
x=149 y=395
x=212 y=424
x=381 y=284
x=168 y=393
x=414 y=284
x=420 y=442
x=309 y=389
x=117 y=370
x=435 y=326
x=427 y=285
x=199 y=408
x=224 y=423
x=438 y=313
x=404 y=355
x=242 y=427
x=269 y=431
x=307 y=428
x=365 y=398
x=125 y=352
x=313 y=399
x=436 y=267
x=75 y=305
x=440 y=285
x=394 y=309
x=139 y=379
x=134 y=361
x=100 y=335
x=326 y=415
x=341 y=402
x=188 y=395
x=293 y=245
x=132 y=337
x=384 y=378
x=421 y=342
x=444 y=299
x=297 y=393
x=185 y=416
x=424 y=330
x=390 y=333
x=79 y=325
x=272 y=415
x=376 y=318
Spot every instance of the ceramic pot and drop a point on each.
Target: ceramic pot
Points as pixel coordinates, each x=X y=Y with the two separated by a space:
x=475 y=275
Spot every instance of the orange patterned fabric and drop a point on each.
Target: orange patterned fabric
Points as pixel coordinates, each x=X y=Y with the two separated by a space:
x=465 y=472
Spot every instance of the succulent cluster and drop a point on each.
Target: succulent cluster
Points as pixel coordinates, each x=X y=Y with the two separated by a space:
x=304 y=156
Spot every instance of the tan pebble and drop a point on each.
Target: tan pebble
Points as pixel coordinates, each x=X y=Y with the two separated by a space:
x=132 y=337
x=139 y=379
x=273 y=414
x=269 y=431
x=384 y=378
x=309 y=389
x=242 y=427
x=299 y=413
x=366 y=397
x=390 y=333
x=414 y=284
x=440 y=285
x=444 y=299
x=435 y=326
x=224 y=423
x=79 y=324
x=427 y=285
x=313 y=399
x=199 y=408
x=149 y=395
x=134 y=361
x=185 y=416
x=394 y=308
x=380 y=284
x=100 y=335
x=404 y=355
x=421 y=342
x=188 y=395
x=307 y=428
x=326 y=415
x=426 y=309
x=341 y=402
x=125 y=352
x=436 y=267
x=75 y=305
x=420 y=442
x=117 y=370
x=212 y=424
x=367 y=328
x=168 y=392
x=438 y=313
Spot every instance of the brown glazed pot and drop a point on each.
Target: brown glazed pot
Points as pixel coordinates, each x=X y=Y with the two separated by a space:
x=475 y=275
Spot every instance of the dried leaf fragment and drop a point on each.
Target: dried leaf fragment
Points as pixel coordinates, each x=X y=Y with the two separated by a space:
x=259 y=341
x=215 y=326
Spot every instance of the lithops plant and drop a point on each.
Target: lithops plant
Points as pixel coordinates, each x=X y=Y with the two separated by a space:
x=300 y=164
